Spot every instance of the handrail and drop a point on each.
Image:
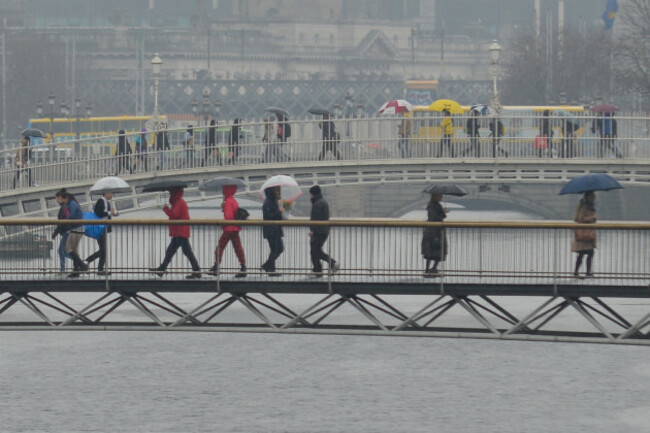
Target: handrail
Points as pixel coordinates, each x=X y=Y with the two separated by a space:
x=622 y=225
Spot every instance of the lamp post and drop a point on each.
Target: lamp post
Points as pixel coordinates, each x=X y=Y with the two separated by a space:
x=155 y=123
x=495 y=53
x=205 y=111
x=349 y=107
x=89 y=110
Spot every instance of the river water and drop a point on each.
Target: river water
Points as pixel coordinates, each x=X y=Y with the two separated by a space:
x=218 y=382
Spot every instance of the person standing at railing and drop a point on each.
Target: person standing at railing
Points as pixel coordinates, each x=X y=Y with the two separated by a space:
x=162 y=145
x=230 y=233
x=103 y=210
x=60 y=229
x=330 y=138
x=180 y=235
x=122 y=152
x=584 y=241
x=447 y=131
x=22 y=161
x=472 y=128
x=272 y=211
x=283 y=132
x=320 y=211
x=497 y=130
x=434 y=239
x=270 y=150
x=568 y=139
x=404 y=130
x=75 y=233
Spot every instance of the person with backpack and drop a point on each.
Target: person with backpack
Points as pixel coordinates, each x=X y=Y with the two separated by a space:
x=103 y=210
x=607 y=130
x=180 y=235
x=230 y=233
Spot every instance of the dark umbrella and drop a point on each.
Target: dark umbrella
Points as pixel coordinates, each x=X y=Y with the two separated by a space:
x=604 y=108
x=590 y=182
x=32 y=132
x=318 y=111
x=280 y=112
x=445 y=188
x=164 y=185
x=216 y=183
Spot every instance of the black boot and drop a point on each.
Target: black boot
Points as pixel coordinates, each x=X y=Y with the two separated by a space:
x=242 y=272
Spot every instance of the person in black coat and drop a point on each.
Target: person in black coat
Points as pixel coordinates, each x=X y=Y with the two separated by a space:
x=103 y=210
x=162 y=144
x=434 y=239
x=330 y=138
x=320 y=211
x=122 y=152
x=546 y=131
x=273 y=234
x=472 y=128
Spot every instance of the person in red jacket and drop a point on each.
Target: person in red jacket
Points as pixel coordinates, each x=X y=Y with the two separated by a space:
x=180 y=234
x=230 y=233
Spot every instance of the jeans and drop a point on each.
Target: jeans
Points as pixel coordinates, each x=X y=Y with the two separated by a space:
x=174 y=245
x=62 y=254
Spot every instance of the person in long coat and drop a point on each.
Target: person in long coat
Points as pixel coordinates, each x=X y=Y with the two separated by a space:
x=584 y=242
x=434 y=239
x=122 y=151
x=273 y=234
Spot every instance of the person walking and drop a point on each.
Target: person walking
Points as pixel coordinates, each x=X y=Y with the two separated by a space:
x=162 y=145
x=75 y=233
x=180 y=235
x=22 y=162
x=447 y=131
x=273 y=234
x=330 y=138
x=608 y=131
x=122 y=151
x=568 y=139
x=472 y=128
x=497 y=130
x=318 y=234
x=60 y=229
x=103 y=210
x=434 y=239
x=210 y=143
x=404 y=130
x=546 y=133
x=270 y=150
x=189 y=146
x=584 y=242
x=229 y=208
x=233 y=141
x=283 y=132
x=141 y=157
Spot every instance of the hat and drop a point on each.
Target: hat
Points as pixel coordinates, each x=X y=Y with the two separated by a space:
x=315 y=190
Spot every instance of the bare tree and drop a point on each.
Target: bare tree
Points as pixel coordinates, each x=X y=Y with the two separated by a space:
x=632 y=55
x=537 y=70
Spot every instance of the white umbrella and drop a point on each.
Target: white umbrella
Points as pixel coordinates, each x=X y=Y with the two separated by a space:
x=112 y=184
x=289 y=188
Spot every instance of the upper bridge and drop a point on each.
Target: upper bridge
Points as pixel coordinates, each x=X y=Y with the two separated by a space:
x=370 y=152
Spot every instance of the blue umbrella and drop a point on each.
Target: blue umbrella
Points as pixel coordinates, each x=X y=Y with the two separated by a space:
x=590 y=182
x=483 y=109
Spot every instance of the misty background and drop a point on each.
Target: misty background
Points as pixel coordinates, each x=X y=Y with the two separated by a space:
x=233 y=58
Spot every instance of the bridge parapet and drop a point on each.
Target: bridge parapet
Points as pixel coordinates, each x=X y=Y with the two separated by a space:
x=381 y=277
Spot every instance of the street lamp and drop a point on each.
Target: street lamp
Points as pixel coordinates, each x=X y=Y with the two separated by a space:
x=495 y=53
x=195 y=110
x=360 y=109
x=64 y=108
x=89 y=110
x=155 y=123
x=217 y=108
x=338 y=111
x=39 y=108
x=206 y=106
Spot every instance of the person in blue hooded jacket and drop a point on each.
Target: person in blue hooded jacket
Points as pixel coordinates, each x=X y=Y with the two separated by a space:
x=271 y=211
x=76 y=232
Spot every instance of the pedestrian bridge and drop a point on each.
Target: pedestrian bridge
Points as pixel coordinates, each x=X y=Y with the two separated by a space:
x=507 y=281
x=370 y=152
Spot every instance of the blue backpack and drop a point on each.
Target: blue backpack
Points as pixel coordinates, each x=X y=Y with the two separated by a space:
x=93 y=231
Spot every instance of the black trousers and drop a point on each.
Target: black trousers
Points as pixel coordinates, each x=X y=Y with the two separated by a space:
x=317 y=253
x=174 y=245
x=100 y=253
x=277 y=247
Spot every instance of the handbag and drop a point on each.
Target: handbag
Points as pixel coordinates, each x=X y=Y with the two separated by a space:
x=585 y=235
x=241 y=214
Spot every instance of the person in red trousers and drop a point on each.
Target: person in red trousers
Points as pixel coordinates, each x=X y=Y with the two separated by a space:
x=230 y=233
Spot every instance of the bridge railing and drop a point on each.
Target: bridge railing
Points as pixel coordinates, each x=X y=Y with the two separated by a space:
x=367 y=252
x=356 y=139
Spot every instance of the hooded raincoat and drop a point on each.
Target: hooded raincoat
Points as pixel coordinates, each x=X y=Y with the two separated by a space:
x=178 y=211
x=230 y=207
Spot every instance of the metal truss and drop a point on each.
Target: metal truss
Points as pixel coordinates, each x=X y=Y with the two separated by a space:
x=489 y=319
